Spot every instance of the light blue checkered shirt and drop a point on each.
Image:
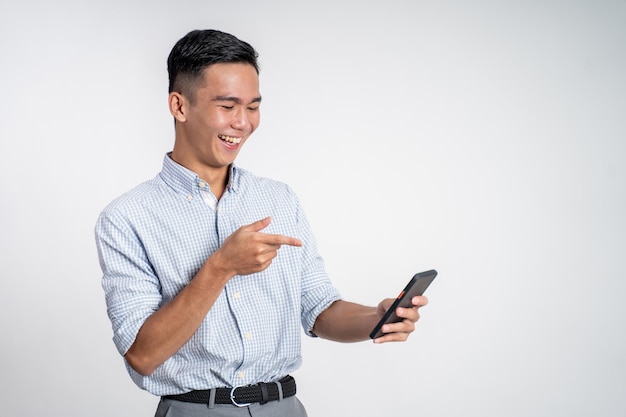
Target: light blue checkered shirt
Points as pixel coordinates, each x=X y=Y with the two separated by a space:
x=153 y=240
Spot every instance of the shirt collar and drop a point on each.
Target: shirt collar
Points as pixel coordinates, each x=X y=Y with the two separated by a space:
x=187 y=182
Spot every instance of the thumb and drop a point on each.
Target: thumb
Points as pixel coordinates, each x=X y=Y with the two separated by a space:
x=258 y=225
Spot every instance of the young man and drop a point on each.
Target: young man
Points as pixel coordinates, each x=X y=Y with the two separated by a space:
x=205 y=308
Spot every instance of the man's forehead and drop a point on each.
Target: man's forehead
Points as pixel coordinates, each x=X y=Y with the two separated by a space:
x=232 y=82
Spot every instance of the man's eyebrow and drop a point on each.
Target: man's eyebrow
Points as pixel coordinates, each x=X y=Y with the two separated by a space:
x=236 y=100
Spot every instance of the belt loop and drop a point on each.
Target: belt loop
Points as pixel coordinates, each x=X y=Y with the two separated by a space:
x=280 y=390
x=212 y=398
x=264 y=396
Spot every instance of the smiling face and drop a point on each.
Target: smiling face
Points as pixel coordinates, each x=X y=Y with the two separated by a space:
x=213 y=126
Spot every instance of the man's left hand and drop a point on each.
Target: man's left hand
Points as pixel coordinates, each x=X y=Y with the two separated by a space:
x=399 y=332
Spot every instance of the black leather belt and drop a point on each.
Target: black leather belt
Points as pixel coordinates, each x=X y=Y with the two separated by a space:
x=241 y=396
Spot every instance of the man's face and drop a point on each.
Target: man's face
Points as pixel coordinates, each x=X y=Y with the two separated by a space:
x=223 y=116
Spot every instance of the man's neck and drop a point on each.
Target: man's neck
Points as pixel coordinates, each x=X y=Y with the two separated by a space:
x=217 y=178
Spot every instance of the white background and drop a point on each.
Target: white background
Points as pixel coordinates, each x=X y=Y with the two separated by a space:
x=485 y=139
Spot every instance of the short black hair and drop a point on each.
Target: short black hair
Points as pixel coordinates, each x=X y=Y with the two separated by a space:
x=197 y=50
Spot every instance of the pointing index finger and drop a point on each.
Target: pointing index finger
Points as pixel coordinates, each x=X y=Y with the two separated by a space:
x=281 y=240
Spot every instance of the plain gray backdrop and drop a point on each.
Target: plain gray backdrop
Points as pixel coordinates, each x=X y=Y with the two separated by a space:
x=485 y=139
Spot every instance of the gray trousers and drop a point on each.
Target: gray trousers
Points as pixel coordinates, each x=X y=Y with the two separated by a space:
x=287 y=407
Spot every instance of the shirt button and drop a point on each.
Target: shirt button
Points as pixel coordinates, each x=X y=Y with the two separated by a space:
x=240 y=375
x=237 y=295
x=189 y=197
x=248 y=335
x=201 y=185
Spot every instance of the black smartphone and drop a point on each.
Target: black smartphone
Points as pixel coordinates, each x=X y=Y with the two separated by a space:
x=416 y=286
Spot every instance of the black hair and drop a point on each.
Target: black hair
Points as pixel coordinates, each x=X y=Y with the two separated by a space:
x=197 y=50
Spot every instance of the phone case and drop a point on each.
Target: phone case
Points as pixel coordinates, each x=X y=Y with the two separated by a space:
x=416 y=286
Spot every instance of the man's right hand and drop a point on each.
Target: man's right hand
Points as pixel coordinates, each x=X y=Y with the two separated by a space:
x=248 y=250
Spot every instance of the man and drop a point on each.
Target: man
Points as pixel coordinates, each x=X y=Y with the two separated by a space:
x=209 y=271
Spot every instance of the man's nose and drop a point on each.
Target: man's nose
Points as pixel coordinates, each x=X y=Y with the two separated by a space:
x=241 y=120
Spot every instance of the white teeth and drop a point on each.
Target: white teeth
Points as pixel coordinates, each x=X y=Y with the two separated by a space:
x=230 y=139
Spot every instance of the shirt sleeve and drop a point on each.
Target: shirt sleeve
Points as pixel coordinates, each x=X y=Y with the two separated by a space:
x=318 y=293
x=132 y=289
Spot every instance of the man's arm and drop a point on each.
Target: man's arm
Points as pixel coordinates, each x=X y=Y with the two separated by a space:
x=244 y=252
x=170 y=327
x=344 y=321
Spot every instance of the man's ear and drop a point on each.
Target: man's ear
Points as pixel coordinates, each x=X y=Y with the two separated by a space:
x=178 y=106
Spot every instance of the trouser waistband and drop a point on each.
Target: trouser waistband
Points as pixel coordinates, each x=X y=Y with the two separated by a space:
x=262 y=392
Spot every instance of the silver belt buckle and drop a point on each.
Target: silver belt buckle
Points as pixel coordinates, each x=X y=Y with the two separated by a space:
x=232 y=397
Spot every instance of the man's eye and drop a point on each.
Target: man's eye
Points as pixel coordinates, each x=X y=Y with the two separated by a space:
x=253 y=108
x=227 y=107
